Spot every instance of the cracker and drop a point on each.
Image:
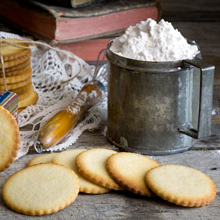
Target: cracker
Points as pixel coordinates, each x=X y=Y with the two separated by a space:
x=9 y=139
x=92 y=165
x=181 y=185
x=17 y=61
x=45 y=158
x=41 y=189
x=15 y=70
x=16 y=85
x=16 y=78
x=30 y=100
x=67 y=158
x=22 y=89
x=129 y=170
x=20 y=110
x=10 y=52
x=25 y=94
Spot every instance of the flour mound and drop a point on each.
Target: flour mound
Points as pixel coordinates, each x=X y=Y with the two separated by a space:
x=152 y=41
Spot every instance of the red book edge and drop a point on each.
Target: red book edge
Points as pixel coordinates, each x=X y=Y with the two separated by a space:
x=87 y=50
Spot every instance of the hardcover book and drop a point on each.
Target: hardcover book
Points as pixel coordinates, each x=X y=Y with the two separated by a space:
x=66 y=24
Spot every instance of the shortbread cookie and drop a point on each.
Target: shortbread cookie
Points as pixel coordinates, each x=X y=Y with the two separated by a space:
x=41 y=189
x=11 y=52
x=16 y=78
x=20 y=110
x=45 y=158
x=25 y=94
x=18 y=69
x=92 y=165
x=9 y=139
x=30 y=100
x=129 y=170
x=181 y=185
x=17 y=61
x=67 y=158
x=16 y=85
x=22 y=89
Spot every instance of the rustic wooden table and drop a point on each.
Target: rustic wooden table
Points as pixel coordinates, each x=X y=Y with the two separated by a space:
x=197 y=21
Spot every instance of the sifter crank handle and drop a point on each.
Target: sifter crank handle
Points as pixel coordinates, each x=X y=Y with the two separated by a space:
x=205 y=100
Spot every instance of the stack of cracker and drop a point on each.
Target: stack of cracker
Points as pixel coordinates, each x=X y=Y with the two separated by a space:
x=16 y=72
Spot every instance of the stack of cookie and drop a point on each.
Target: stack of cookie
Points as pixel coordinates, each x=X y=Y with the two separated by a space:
x=17 y=73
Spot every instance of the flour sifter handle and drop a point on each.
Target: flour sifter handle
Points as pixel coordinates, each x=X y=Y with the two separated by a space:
x=64 y=121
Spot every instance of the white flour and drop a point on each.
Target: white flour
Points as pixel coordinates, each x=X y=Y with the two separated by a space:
x=152 y=41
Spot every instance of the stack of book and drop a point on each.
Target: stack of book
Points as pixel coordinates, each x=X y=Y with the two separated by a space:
x=82 y=30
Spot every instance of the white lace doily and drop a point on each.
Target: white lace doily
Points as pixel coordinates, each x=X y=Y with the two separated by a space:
x=50 y=68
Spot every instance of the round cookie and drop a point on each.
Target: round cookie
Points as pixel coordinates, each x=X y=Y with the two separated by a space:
x=16 y=78
x=15 y=70
x=9 y=139
x=30 y=100
x=45 y=158
x=22 y=89
x=41 y=189
x=129 y=170
x=17 y=61
x=26 y=94
x=67 y=158
x=11 y=52
x=21 y=109
x=181 y=185
x=92 y=165
x=17 y=85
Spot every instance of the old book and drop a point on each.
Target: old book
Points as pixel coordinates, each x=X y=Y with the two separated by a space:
x=63 y=25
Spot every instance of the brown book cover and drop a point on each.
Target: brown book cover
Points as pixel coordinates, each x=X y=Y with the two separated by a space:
x=64 y=25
